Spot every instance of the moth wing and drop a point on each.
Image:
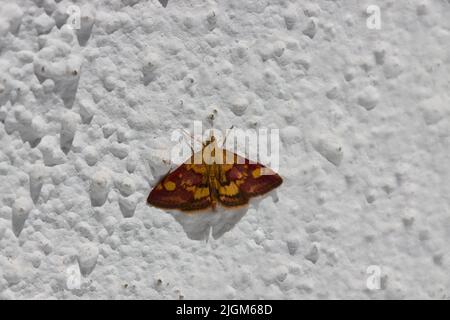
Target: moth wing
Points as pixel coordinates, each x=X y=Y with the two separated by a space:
x=241 y=179
x=186 y=188
x=229 y=193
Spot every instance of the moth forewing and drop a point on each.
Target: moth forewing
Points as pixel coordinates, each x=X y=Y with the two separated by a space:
x=267 y=171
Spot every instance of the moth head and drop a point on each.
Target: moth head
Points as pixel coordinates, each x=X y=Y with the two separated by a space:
x=209 y=141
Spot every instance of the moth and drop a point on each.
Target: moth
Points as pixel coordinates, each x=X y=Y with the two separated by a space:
x=196 y=186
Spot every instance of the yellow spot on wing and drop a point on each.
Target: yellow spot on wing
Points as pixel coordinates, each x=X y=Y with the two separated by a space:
x=169 y=185
x=229 y=190
x=186 y=183
x=226 y=167
x=256 y=173
x=197 y=168
x=201 y=193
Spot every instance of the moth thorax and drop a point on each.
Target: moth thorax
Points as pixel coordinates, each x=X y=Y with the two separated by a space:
x=212 y=154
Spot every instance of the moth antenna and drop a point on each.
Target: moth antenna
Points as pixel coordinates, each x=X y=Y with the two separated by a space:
x=224 y=140
x=191 y=138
